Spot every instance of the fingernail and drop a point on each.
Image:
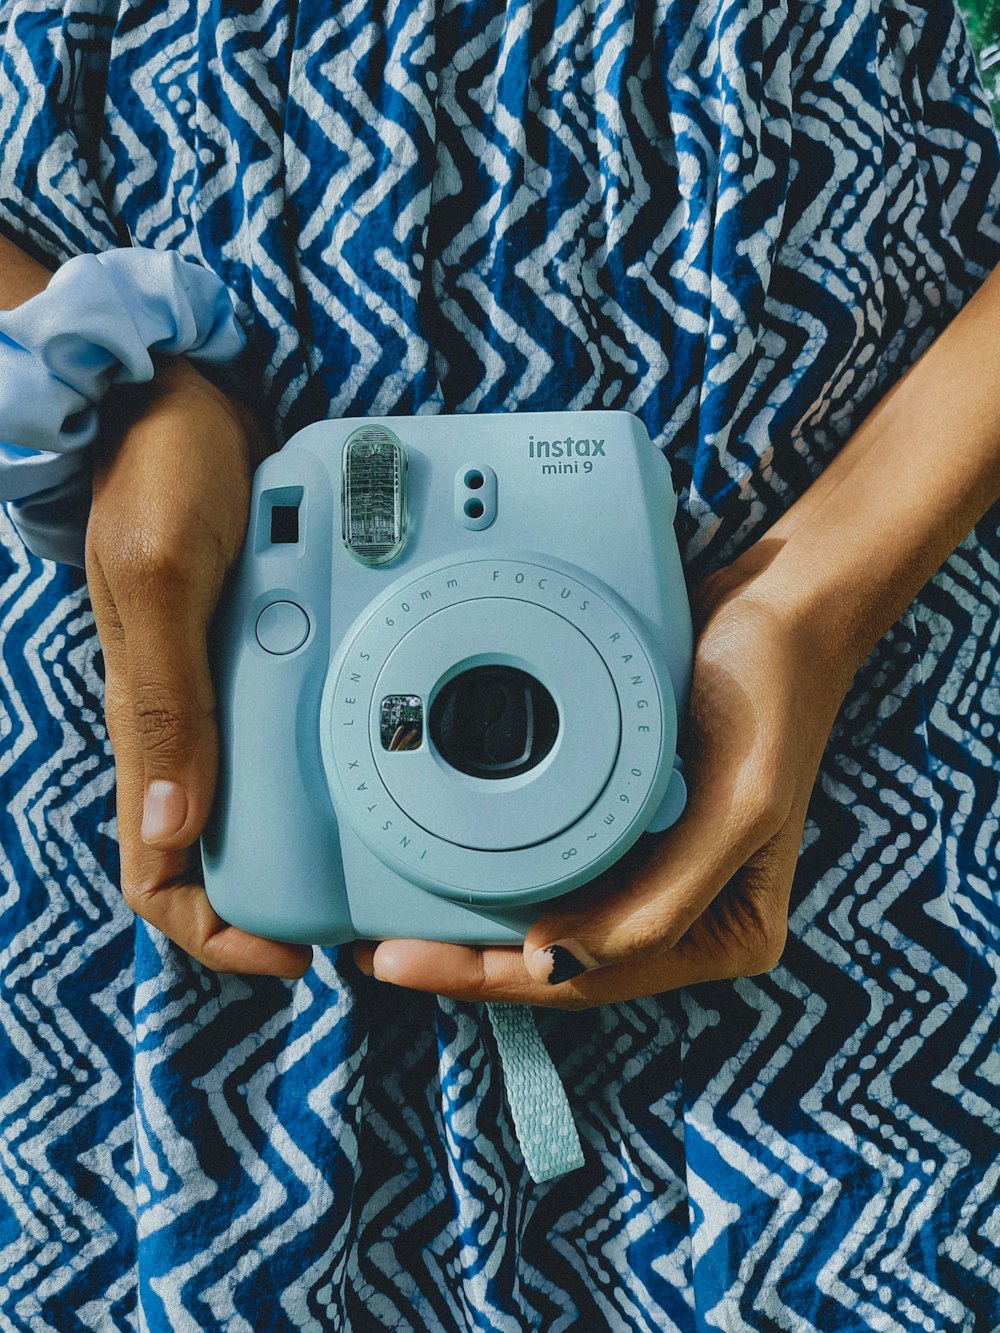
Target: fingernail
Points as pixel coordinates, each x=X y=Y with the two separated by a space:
x=164 y=810
x=559 y=962
x=385 y=964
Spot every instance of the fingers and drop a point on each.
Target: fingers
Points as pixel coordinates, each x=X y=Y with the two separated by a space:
x=743 y=936
x=163 y=885
x=740 y=933
x=751 y=773
x=169 y=511
x=650 y=899
x=705 y=901
x=167 y=520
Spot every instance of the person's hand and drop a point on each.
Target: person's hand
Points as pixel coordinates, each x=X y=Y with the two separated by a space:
x=709 y=898
x=170 y=507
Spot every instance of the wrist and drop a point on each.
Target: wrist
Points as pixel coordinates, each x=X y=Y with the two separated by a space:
x=177 y=376
x=261 y=442
x=95 y=325
x=21 y=277
x=772 y=583
x=849 y=556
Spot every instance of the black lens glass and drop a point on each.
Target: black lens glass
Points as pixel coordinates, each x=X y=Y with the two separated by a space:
x=284 y=525
x=494 y=722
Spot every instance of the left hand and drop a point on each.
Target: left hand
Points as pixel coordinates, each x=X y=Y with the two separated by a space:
x=172 y=478
x=708 y=899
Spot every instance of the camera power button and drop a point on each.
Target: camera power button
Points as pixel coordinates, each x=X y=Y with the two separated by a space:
x=282 y=627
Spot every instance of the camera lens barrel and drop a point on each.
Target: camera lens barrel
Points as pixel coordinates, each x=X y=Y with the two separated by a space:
x=547 y=716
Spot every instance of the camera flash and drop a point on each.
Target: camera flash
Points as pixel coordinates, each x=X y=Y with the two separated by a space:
x=374 y=494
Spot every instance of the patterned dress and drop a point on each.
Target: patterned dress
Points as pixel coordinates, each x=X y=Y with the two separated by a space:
x=741 y=220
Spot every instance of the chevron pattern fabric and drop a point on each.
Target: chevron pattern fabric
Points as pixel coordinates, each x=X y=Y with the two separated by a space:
x=742 y=220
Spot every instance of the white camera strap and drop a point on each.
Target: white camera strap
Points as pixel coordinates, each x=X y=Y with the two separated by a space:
x=543 y=1121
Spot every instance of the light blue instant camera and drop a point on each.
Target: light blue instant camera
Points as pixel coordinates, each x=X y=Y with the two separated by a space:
x=449 y=668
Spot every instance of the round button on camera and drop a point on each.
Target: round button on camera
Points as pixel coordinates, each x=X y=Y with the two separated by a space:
x=282 y=627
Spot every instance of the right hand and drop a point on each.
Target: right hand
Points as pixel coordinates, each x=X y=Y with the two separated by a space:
x=169 y=513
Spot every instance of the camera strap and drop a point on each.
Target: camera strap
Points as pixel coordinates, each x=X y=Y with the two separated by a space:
x=539 y=1108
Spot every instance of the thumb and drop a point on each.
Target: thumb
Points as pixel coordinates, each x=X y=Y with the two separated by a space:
x=173 y=708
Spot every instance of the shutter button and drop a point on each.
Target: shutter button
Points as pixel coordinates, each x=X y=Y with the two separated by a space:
x=282 y=627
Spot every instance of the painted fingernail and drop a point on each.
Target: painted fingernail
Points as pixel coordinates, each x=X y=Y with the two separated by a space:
x=557 y=963
x=164 y=810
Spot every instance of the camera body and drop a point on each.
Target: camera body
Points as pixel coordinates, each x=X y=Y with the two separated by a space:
x=449 y=668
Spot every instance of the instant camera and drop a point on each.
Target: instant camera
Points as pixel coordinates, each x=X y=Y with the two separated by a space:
x=449 y=667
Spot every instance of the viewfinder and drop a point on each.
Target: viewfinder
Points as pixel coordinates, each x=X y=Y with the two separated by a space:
x=284 y=525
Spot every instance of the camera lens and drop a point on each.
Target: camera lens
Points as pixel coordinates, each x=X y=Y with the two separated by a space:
x=494 y=722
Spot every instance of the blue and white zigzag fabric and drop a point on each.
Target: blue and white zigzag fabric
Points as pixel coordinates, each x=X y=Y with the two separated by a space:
x=742 y=220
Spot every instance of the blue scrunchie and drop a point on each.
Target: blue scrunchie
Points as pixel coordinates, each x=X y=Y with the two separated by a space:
x=94 y=325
